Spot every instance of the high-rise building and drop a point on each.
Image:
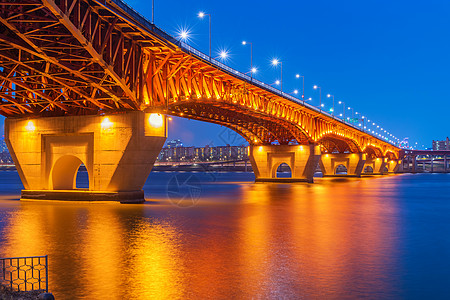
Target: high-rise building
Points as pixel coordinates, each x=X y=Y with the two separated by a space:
x=441 y=145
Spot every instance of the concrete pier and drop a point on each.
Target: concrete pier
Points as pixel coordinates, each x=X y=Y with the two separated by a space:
x=118 y=150
x=302 y=159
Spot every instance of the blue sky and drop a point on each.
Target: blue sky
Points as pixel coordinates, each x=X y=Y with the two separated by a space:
x=387 y=59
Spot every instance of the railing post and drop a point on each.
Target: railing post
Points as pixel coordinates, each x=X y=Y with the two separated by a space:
x=46 y=273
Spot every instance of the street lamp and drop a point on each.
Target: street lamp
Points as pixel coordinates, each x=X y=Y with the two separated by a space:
x=342 y=102
x=275 y=63
x=201 y=15
x=277 y=82
x=320 y=95
x=303 y=86
x=251 y=55
x=353 y=115
x=331 y=96
x=222 y=55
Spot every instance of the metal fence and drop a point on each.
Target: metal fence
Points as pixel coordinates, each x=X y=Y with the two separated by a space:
x=24 y=273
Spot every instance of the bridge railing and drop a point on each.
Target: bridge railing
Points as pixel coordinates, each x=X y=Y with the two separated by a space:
x=189 y=49
x=24 y=273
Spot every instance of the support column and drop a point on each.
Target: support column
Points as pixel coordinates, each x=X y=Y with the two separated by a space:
x=118 y=151
x=378 y=165
x=413 y=164
x=394 y=166
x=353 y=162
x=302 y=159
x=445 y=163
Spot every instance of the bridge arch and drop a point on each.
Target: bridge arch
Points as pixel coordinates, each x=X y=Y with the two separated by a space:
x=334 y=143
x=368 y=169
x=373 y=152
x=249 y=123
x=340 y=169
x=279 y=164
x=63 y=174
x=391 y=155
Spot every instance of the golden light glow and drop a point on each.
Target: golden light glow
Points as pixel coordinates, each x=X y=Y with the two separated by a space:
x=260 y=149
x=30 y=126
x=156 y=120
x=106 y=124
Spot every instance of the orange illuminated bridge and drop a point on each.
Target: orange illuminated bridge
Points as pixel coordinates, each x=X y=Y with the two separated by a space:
x=91 y=82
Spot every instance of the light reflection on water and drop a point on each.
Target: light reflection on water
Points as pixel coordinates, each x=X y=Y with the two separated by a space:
x=350 y=238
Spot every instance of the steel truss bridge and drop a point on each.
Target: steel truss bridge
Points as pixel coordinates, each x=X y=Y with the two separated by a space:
x=78 y=57
x=67 y=66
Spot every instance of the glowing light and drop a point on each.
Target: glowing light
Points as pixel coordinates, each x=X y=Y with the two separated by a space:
x=106 y=124
x=183 y=34
x=275 y=61
x=315 y=87
x=277 y=82
x=328 y=95
x=340 y=102
x=295 y=91
x=156 y=120
x=297 y=76
x=254 y=70
x=223 y=54
x=244 y=43
x=201 y=14
x=30 y=126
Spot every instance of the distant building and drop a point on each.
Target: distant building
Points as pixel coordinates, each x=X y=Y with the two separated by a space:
x=174 y=144
x=5 y=157
x=441 y=145
x=207 y=153
x=3 y=147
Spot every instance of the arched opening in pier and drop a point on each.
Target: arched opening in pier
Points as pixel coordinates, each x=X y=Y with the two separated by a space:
x=385 y=170
x=82 y=178
x=64 y=174
x=368 y=170
x=284 y=171
x=340 y=170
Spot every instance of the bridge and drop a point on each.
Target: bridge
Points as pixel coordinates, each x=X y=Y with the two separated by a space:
x=91 y=82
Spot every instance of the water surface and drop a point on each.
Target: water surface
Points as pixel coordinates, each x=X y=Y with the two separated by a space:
x=221 y=236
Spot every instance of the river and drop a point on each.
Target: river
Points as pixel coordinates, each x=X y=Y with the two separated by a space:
x=221 y=236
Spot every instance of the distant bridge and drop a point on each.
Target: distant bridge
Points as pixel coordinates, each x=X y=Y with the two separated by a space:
x=84 y=80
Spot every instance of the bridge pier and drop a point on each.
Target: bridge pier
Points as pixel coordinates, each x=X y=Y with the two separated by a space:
x=118 y=151
x=353 y=162
x=393 y=166
x=302 y=159
x=378 y=165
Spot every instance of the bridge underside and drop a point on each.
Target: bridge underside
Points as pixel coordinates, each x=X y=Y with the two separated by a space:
x=68 y=65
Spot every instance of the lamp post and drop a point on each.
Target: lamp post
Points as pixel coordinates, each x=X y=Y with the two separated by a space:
x=353 y=114
x=320 y=95
x=331 y=96
x=251 y=56
x=342 y=102
x=275 y=63
x=303 y=86
x=201 y=15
